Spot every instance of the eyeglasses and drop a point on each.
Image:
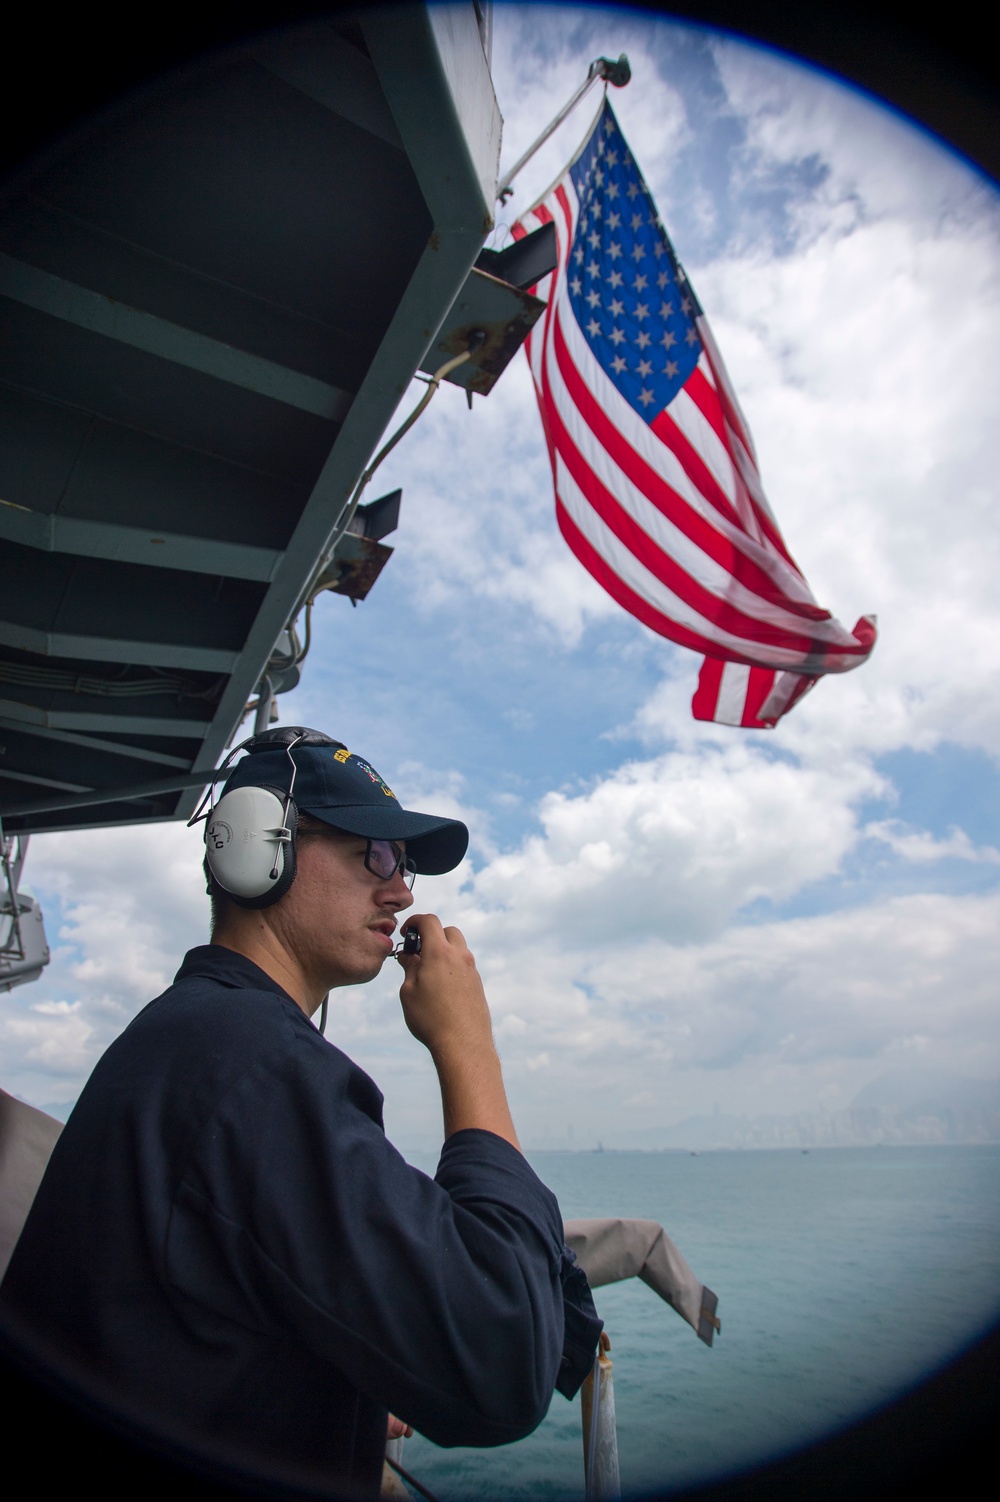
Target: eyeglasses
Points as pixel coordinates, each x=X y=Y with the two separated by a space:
x=384 y=858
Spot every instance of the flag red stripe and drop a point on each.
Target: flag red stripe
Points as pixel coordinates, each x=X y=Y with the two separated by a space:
x=706 y=399
x=693 y=464
x=743 y=534
x=627 y=597
x=716 y=610
x=759 y=685
x=734 y=418
x=662 y=495
x=706 y=695
x=711 y=401
x=705 y=701
x=727 y=396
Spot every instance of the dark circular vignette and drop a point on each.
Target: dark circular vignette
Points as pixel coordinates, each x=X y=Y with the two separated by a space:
x=939 y=1436
x=941 y=75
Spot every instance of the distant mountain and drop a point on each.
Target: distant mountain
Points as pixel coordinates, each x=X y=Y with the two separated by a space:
x=916 y=1088
x=902 y=1106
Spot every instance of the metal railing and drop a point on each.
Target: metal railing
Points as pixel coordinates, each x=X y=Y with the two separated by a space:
x=24 y=951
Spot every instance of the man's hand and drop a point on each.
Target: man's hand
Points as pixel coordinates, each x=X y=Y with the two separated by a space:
x=397 y=1429
x=443 y=998
x=445 y=1007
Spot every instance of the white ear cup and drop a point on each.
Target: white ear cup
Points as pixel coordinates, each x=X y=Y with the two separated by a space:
x=244 y=845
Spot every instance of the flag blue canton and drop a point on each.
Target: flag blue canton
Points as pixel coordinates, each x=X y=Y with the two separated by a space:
x=628 y=294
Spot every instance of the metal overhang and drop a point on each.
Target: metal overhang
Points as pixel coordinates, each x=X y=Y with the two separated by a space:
x=212 y=300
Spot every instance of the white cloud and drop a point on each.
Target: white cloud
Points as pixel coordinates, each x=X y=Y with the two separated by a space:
x=121 y=907
x=793 y=112
x=673 y=846
x=920 y=846
x=479 y=533
x=48 y=1037
x=781 y=1016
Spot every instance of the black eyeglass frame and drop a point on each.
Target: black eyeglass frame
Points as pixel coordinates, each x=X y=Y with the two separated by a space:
x=402 y=862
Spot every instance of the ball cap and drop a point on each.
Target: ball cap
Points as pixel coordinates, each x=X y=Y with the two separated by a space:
x=346 y=792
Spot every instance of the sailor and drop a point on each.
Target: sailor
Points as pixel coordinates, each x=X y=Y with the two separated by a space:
x=225 y=1249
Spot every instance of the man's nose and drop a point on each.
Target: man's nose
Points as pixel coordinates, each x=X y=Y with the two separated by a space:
x=398 y=893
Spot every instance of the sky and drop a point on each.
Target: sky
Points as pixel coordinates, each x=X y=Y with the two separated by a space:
x=670 y=917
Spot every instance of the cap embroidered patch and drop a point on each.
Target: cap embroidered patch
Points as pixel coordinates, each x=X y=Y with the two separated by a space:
x=371 y=772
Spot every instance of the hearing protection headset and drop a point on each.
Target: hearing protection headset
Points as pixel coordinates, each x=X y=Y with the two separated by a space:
x=250 y=832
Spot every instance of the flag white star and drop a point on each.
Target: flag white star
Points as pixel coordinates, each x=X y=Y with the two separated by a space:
x=633 y=190
x=691 y=337
x=666 y=308
x=645 y=397
x=594 y=298
x=643 y=340
x=637 y=252
x=641 y=282
x=593 y=269
x=614 y=220
x=618 y=365
x=636 y=222
x=641 y=311
x=662 y=279
x=644 y=369
x=617 y=307
x=614 y=279
x=593 y=328
x=612 y=190
x=617 y=337
x=614 y=250
x=668 y=341
x=670 y=369
x=576 y=286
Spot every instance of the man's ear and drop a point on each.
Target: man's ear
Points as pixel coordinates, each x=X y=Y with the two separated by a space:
x=250 y=845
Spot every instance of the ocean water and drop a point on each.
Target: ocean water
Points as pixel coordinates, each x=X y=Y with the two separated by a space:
x=844 y=1277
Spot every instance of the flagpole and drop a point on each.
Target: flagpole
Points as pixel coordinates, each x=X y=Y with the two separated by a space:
x=616 y=73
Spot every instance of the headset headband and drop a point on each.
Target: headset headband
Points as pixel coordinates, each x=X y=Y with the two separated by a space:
x=241 y=827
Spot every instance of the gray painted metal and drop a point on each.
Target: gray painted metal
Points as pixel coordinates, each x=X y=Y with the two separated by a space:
x=89 y=539
x=90 y=742
x=90 y=797
x=166 y=727
x=111 y=649
x=158 y=336
x=211 y=303
x=73 y=788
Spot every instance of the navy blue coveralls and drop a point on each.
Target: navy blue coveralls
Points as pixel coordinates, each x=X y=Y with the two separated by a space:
x=226 y=1247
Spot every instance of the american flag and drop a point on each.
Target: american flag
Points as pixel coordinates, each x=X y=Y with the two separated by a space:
x=657 y=489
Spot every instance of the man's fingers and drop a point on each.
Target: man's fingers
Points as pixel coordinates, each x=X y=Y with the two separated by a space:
x=426 y=924
x=429 y=927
